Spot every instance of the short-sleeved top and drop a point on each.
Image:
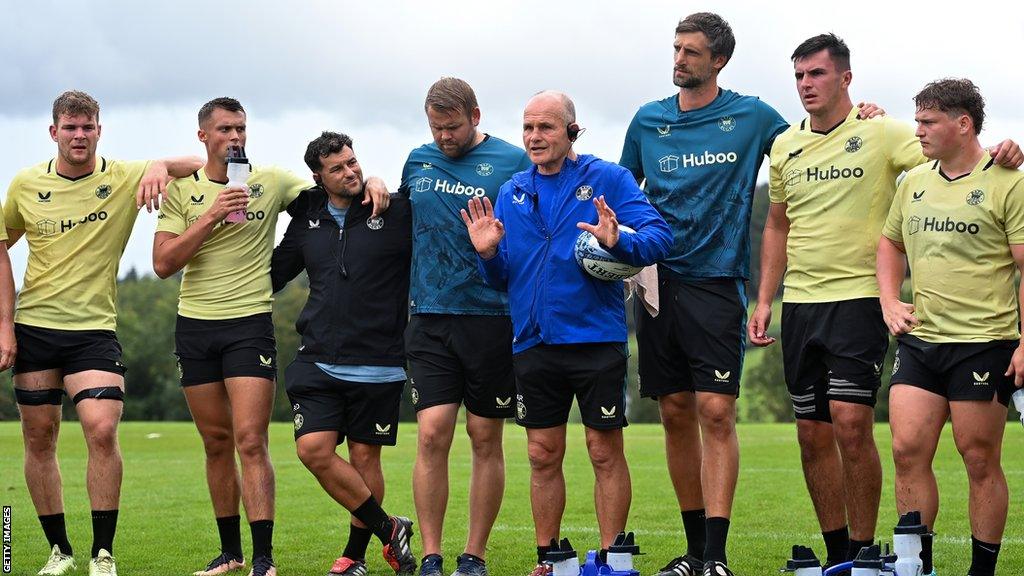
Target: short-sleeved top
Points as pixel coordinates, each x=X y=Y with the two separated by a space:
x=229 y=277
x=701 y=171
x=445 y=279
x=837 y=187
x=77 y=229
x=957 y=234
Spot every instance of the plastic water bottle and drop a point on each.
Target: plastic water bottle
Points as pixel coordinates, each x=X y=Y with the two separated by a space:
x=803 y=562
x=563 y=559
x=868 y=562
x=238 y=177
x=907 y=542
x=1018 y=403
x=620 y=553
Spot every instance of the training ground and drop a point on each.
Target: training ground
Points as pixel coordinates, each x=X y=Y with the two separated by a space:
x=166 y=523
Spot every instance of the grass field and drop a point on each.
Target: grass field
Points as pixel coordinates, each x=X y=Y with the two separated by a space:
x=166 y=525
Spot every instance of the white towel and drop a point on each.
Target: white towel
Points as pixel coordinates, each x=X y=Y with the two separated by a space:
x=645 y=284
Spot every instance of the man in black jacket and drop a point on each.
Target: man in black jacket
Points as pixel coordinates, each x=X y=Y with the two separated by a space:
x=348 y=376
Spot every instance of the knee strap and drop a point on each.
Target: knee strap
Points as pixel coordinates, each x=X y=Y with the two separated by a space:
x=51 y=396
x=101 y=393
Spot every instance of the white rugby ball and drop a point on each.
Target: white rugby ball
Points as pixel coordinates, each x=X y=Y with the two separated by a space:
x=598 y=262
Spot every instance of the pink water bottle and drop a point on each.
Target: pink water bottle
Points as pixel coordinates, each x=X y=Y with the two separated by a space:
x=238 y=176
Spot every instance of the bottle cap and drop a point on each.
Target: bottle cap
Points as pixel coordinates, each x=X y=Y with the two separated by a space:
x=869 y=557
x=561 y=552
x=910 y=523
x=803 y=557
x=236 y=155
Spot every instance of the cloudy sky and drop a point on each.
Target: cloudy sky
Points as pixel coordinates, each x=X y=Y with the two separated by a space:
x=363 y=68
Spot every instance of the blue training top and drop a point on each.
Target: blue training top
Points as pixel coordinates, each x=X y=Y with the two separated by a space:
x=444 y=277
x=701 y=170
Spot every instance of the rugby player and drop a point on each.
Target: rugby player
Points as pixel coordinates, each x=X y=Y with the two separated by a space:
x=459 y=340
x=699 y=151
x=224 y=337
x=76 y=212
x=569 y=329
x=959 y=222
x=832 y=179
x=348 y=376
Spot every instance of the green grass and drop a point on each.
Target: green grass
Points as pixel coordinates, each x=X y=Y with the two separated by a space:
x=166 y=525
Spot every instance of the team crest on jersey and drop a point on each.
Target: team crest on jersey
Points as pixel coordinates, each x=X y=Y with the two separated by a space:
x=668 y=163
x=415 y=395
x=520 y=407
x=484 y=169
x=46 y=227
x=44 y=197
x=853 y=144
x=375 y=223
x=896 y=362
x=298 y=421
x=181 y=371
x=727 y=124
x=793 y=177
x=102 y=191
x=975 y=197
x=255 y=190
x=584 y=193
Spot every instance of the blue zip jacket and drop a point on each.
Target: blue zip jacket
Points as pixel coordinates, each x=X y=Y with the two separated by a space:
x=552 y=300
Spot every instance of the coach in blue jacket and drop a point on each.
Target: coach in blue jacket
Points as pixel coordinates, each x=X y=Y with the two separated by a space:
x=569 y=329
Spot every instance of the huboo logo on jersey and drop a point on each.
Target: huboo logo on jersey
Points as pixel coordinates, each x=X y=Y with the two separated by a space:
x=668 y=163
x=932 y=224
x=816 y=174
x=47 y=227
x=707 y=159
x=425 y=184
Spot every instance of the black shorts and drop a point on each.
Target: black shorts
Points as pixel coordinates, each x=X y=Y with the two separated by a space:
x=832 y=351
x=365 y=412
x=549 y=376
x=461 y=359
x=696 y=342
x=956 y=370
x=212 y=350
x=70 y=351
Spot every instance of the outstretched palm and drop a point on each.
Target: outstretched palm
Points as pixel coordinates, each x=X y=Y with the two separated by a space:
x=607 y=228
x=485 y=231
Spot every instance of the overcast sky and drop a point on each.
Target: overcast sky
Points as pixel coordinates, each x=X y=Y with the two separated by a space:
x=363 y=68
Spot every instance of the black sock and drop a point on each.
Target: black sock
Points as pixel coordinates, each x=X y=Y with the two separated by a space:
x=358 y=540
x=837 y=543
x=696 y=532
x=718 y=533
x=262 y=538
x=371 y=514
x=230 y=529
x=603 y=555
x=856 y=545
x=542 y=553
x=983 y=558
x=104 y=524
x=926 y=553
x=56 y=532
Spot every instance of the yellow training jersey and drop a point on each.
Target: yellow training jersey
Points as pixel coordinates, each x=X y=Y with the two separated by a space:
x=837 y=187
x=957 y=235
x=229 y=277
x=76 y=230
